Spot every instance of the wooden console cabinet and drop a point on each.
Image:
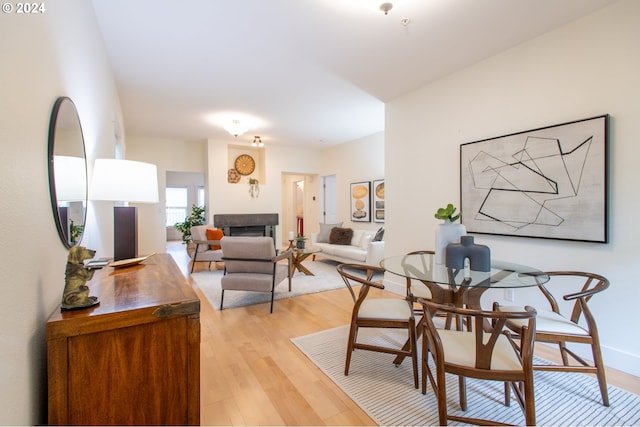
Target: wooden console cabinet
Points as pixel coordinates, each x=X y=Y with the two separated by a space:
x=134 y=359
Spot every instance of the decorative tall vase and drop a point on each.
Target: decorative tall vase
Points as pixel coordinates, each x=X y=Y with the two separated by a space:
x=447 y=232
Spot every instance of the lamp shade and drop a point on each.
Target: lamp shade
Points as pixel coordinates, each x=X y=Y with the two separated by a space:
x=70 y=174
x=124 y=181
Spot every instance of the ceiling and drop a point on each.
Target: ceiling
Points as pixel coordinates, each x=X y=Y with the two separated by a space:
x=299 y=72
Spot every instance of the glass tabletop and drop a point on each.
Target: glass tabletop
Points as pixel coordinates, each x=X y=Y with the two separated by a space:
x=502 y=275
x=306 y=250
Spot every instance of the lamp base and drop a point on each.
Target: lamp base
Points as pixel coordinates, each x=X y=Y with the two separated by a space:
x=125 y=232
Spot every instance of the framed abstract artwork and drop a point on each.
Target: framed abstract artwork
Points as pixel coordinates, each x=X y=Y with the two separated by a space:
x=378 y=200
x=549 y=182
x=361 y=201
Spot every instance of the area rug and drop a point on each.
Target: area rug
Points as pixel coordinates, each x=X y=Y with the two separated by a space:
x=325 y=278
x=386 y=393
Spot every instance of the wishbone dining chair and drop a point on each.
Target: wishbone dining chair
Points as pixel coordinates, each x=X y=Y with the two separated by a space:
x=578 y=325
x=377 y=313
x=479 y=353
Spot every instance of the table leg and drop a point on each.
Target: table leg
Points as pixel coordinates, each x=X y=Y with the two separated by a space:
x=297 y=264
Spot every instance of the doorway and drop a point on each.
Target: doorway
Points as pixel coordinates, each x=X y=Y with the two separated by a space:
x=300 y=207
x=329 y=203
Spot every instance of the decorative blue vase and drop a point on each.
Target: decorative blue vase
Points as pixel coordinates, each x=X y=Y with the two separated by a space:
x=479 y=255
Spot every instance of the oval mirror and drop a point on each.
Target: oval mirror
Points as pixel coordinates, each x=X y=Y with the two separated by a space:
x=67 y=172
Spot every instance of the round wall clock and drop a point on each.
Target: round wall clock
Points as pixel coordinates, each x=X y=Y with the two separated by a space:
x=245 y=165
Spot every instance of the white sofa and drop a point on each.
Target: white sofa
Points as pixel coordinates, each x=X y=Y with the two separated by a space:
x=362 y=250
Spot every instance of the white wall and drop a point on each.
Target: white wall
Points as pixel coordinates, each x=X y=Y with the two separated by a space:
x=228 y=198
x=587 y=68
x=355 y=161
x=59 y=53
x=167 y=155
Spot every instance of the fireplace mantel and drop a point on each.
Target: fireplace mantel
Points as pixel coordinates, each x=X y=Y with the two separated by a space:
x=261 y=224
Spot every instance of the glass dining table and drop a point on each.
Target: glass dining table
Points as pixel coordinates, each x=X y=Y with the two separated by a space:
x=462 y=287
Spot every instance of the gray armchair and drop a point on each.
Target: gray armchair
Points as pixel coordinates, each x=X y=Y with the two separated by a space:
x=203 y=252
x=251 y=264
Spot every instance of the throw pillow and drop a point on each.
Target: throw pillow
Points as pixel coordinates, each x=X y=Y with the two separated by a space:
x=216 y=234
x=379 y=235
x=340 y=236
x=325 y=230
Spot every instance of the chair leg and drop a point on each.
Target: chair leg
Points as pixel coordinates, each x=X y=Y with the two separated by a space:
x=442 y=396
x=563 y=353
x=425 y=364
x=529 y=403
x=507 y=394
x=273 y=294
x=462 y=390
x=352 y=339
x=414 y=351
x=221 y=299
x=600 y=373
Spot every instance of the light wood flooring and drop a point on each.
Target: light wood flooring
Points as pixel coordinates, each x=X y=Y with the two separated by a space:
x=251 y=373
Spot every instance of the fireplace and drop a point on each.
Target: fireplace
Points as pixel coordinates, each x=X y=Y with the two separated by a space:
x=247 y=224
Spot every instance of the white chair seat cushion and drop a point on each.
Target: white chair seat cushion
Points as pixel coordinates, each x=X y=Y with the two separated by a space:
x=460 y=349
x=384 y=308
x=549 y=321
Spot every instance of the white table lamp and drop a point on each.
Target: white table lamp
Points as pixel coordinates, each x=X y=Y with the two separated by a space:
x=124 y=181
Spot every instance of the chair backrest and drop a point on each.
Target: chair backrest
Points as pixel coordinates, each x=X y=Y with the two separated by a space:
x=241 y=252
x=486 y=326
x=351 y=276
x=199 y=232
x=408 y=279
x=582 y=287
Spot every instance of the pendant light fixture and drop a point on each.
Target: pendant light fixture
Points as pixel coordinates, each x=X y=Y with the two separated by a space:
x=257 y=142
x=235 y=128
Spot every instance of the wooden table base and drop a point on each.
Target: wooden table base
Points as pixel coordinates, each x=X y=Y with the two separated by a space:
x=296 y=263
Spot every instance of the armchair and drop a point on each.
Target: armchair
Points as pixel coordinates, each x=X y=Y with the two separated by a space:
x=251 y=264
x=203 y=252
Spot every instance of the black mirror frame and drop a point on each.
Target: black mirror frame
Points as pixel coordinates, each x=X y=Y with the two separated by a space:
x=50 y=155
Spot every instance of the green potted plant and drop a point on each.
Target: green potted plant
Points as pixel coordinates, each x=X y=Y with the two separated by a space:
x=300 y=241
x=196 y=218
x=448 y=213
x=75 y=232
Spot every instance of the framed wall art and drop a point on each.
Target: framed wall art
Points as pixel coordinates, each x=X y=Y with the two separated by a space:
x=549 y=182
x=361 y=201
x=378 y=200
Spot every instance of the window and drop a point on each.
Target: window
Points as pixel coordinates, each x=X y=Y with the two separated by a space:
x=201 y=196
x=177 y=205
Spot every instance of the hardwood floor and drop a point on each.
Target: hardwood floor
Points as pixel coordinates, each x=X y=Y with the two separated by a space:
x=251 y=373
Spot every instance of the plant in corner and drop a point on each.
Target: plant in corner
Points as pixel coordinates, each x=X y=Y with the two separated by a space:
x=75 y=232
x=196 y=218
x=447 y=214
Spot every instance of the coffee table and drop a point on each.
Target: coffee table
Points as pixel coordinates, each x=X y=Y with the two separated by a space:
x=299 y=255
